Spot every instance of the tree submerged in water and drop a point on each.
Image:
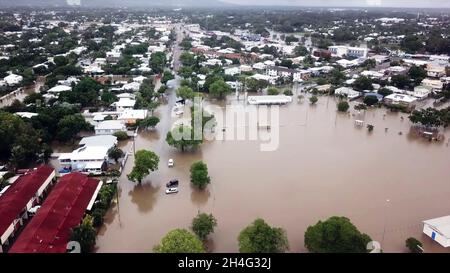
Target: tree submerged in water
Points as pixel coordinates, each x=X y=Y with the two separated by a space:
x=336 y=235
x=180 y=241
x=144 y=162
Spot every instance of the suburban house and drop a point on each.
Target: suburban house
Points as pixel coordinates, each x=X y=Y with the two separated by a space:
x=113 y=56
x=131 y=116
x=109 y=127
x=435 y=71
x=438 y=229
x=132 y=86
x=232 y=71
x=348 y=92
x=400 y=99
x=420 y=92
x=125 y=102
x=279 y=71
x=59 y=88
x=91 y=157
x=64 y=209
x=269 y=79
x=435 y=85
x=26 y=192
x=13 y=79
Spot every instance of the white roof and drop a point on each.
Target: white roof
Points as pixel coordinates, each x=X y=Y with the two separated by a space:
x=60 y=88
x=133 y=114
x=110 y=125
x=26 y=114
x=87 y=153
x=441 y=224
x=125 y=102
x=131 y=86
x=99 y=117
x=401 y=97
x=107 y=141
x=126 y=95
x=269 y=99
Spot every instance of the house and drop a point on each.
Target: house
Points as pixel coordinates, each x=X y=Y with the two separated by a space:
x=347 y=64
x=69 y=81
x=26 y=114
x=269 y=79
x=65 y=207
x=139 y=79
x=268 y=100
x=372 y=74
x=348 y=92
x=26 y=192
x=438 y=229
x=323 y=88
x=279 y=71
x=131 y=116
x=400 y=99
x=132 y=86
x=435 y=85
x=59 y=88
x=113 y=56
x=436 y=71
x=245 y=68
x=109 y=127
x=125 y=103
x=420 y=92
x=259 y=66
x=91 y=156
x=232 y=71
x=13 y=79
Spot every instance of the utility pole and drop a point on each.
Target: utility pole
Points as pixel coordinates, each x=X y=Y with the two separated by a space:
x=385 y=220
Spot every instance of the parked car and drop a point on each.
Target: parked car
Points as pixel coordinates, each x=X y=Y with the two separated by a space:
x=171 y=190
x=172 y=183
x=170 y=163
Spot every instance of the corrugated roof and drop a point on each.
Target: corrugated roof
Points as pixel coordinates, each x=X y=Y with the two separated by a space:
x=15 y=199
x=49 y=231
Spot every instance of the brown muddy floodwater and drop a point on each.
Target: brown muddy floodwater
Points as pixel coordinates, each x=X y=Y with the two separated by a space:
x=324 y=166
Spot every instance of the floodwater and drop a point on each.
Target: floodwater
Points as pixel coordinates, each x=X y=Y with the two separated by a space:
x=384 y=181
x=21 y=93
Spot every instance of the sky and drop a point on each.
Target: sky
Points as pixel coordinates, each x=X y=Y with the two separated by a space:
x=341 y=3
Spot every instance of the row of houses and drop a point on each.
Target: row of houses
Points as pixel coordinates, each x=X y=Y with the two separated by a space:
x=63 y=205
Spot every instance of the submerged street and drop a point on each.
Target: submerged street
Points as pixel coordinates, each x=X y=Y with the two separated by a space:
x=324 y=166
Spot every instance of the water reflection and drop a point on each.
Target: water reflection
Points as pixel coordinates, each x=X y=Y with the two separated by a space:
x=144 y=196
x=200 y=197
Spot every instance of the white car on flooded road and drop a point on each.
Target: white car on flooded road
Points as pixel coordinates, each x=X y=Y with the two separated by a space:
x=170 y=163
x=171 y=190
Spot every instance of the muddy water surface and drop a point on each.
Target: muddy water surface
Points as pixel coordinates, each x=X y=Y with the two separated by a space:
x=324 y=166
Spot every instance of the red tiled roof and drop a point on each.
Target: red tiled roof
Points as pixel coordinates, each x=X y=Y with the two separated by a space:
x=64 y=208
x=15 y=199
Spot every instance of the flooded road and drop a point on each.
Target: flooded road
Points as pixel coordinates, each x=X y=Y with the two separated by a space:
x=324 y=166
x=21 y=93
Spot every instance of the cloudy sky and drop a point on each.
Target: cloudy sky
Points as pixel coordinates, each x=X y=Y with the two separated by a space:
x=381 y=3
